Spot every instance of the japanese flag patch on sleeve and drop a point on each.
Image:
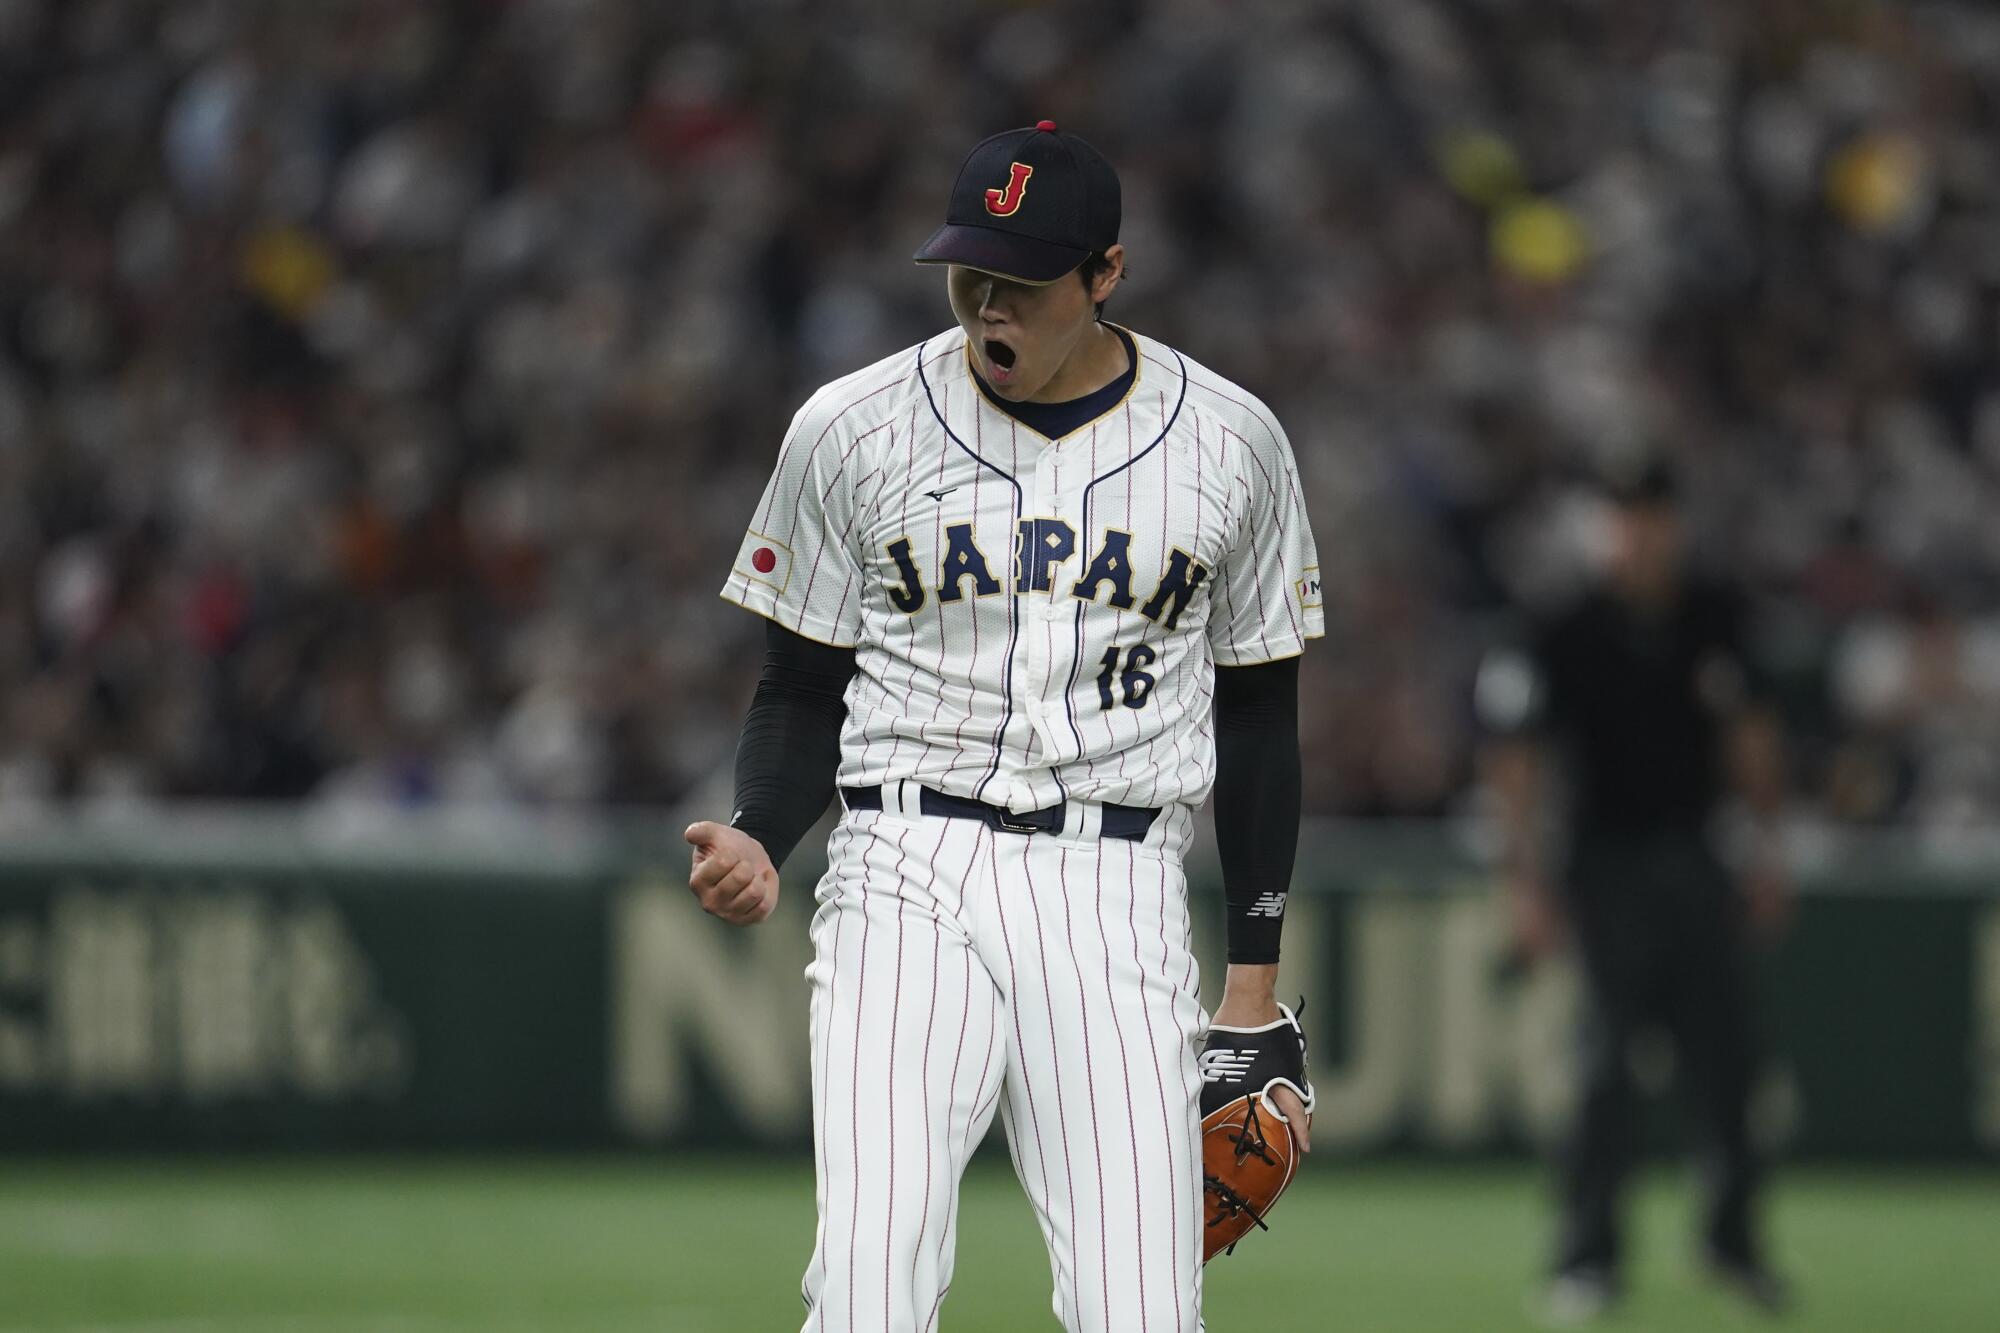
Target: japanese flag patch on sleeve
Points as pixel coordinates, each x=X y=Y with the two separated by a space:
x=764 y=560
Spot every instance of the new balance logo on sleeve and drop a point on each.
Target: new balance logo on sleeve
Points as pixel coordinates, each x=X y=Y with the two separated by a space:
x=1269 y=904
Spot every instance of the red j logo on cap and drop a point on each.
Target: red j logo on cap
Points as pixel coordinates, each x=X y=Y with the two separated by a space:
x=1003 y=203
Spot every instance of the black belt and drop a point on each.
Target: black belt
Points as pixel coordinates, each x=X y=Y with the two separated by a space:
x=1127 y=822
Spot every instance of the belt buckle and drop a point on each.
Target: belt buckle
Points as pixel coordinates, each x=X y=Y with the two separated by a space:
x=1006 y=820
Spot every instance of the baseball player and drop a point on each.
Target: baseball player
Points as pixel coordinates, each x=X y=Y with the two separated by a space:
x=1034 y=586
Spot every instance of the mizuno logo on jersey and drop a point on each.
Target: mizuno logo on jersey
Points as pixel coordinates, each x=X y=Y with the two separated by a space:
x=1042 y=546
x=1269 y=904
x=1309 y=591
x=1221 y=1064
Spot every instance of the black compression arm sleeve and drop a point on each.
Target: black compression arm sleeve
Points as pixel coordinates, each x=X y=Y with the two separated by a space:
x=1257 y=800
x=790 y=748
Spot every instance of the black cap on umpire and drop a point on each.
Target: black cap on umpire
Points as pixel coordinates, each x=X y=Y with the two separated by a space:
x=1030 y=205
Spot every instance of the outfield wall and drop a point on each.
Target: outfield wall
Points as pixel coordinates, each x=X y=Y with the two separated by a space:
x=216 y=980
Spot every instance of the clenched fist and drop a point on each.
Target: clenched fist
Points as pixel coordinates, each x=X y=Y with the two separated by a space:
x=732 y=877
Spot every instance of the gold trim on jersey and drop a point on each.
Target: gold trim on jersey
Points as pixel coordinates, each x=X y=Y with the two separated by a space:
x=1281 y=657
x=772 y=616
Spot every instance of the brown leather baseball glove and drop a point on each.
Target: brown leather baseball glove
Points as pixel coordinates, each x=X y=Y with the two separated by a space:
x=1248 y=1154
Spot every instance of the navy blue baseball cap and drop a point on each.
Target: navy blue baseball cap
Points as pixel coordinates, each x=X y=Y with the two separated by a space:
x=1030 y=205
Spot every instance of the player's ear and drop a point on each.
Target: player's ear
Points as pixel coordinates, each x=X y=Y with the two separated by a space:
x=1106 y=279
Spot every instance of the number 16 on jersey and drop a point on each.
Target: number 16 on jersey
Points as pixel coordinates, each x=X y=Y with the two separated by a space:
x=1133 y=682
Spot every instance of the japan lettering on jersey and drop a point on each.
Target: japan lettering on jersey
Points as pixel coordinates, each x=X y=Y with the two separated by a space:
x=1034 y=620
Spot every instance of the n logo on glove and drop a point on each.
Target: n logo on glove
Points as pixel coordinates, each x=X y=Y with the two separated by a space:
x=1220 y=1064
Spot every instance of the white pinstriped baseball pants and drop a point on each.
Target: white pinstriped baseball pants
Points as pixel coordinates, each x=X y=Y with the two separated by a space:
x=956 y=970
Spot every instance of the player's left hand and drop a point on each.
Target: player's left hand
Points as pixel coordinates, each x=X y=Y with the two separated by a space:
x=1235 y=1012
x=732 y=875
x=1253 y=1074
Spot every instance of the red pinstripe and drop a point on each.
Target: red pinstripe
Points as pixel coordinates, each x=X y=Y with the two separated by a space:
x=987 y=1105
x=1089 y=1084
x=826 y=1072
x=1187 y=1093
x=854 y=1077
x=819 y=550
x=985 y=1070
x=930 y=1026
x=1202 y=677
x=1261 y=418
x=1055 y=1051
x=1271 y=490
x=903 y=524
x=765 y=518
x=971 y=603
x=1020 y=1042
x=1125 y=1067
x=1256 y=574
x=1159 y=1084
x=1118 y=616
x=1153 y=795
x=895 y=1014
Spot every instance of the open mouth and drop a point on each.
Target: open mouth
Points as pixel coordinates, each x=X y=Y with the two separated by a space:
x=999 y=355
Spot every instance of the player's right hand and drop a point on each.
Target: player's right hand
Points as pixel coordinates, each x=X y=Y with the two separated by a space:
x=732 y=876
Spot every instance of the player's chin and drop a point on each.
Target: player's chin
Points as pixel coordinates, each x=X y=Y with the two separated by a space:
x=1018 y=390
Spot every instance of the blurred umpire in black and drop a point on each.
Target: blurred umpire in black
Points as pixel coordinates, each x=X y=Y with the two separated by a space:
x=1643 y=695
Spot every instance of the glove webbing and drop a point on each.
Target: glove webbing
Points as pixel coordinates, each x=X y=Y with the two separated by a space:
x=1232 y=1203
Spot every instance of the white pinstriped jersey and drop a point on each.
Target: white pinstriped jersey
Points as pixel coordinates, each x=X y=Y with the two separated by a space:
x=1034 y=620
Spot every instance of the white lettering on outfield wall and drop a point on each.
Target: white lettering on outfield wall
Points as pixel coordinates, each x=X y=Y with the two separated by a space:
x=1432 y=1049
x=203 y=996
x=685 y=986
x=1433 y=1045
x=1501 y=1050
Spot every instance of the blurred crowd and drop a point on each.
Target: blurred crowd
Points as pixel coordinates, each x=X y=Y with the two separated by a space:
x=384 y=384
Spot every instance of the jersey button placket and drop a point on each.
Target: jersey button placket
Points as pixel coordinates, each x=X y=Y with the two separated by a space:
x=1042 y=711
x=1060 y=610
x=1034 y=654
x=1049 y=502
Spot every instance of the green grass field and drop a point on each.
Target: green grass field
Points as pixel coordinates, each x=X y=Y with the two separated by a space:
x=420 y=1246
